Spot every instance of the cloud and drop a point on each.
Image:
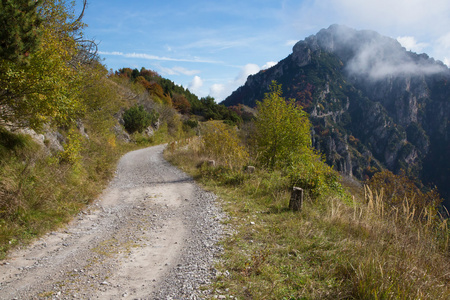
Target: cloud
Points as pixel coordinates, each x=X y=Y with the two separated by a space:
x=268 y=65
x=410 y=43
x=443 y=48
x=218 y=91
x=219 y=44
x=373 y=55
x=196 y=85
x=161 y=58
x=291 y=43
x=379 y=61
x=419 y=15
x=447 y=61
x=178 y=71
x=116 y=53
x=247 y=70
x=426 y=20
x=221 y=91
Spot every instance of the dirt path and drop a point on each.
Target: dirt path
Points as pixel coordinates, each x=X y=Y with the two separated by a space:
x=151 y=235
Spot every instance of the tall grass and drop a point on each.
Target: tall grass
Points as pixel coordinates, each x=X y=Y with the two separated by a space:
x=338 y=247
x=39 y=192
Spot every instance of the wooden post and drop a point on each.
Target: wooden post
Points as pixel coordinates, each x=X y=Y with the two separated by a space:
x=296 y=201
x=250 y=169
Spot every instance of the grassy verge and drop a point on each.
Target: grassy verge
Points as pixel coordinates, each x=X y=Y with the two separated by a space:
x=336 y=248
x=41 y=192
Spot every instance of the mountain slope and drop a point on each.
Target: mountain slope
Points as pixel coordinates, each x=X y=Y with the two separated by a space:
x=373 y=104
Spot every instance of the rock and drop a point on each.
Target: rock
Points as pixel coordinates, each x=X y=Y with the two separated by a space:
x=81 y=128
x=149 y=131
x=121 y=134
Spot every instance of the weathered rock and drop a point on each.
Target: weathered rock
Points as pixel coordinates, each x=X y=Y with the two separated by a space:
x=121 y=134
x=149 y=131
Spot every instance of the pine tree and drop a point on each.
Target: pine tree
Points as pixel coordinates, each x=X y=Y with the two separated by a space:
x=19 y=29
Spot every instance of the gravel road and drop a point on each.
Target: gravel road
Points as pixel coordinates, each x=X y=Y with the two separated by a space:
x=152 y=234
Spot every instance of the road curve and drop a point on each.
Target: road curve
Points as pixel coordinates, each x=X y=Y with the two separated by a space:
x=152 y=234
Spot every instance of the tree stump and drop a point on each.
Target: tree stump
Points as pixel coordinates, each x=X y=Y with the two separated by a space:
x=296 y=201
x=250 y=169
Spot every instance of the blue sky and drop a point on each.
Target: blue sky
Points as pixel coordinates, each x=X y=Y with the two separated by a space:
x=211 y=47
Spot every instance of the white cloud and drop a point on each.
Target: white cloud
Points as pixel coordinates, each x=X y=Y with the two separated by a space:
x=426 y=20
x=443 y=48
x=410 y=43
x=218 y=91
x=447 y=61
x=116 y=53
x=220 y=44
x=418 y=15
x=444 y=41
x=268 y=65
x=196 y=85
x=161 y=58
x=178 y=71
x=291 y=43
x=221 y=91
x=369 y=62
x=247 y=70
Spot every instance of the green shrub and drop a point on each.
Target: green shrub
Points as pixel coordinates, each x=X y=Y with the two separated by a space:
x=221 y=143
x=137 y=119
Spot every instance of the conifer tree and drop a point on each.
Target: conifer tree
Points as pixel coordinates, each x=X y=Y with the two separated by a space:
x=19 y=29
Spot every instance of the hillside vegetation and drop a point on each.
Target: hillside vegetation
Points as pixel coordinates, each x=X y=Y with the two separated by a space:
x=65 y=120
x=383 y=240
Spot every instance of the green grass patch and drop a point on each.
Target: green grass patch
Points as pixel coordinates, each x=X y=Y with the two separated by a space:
x=335 y=248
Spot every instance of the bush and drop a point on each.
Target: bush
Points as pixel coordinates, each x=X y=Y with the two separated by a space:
x=137 y=119
x=221 y=143
x=399 y=190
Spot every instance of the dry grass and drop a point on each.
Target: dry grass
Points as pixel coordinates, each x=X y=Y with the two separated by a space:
x=39 y=193
x=336 y=248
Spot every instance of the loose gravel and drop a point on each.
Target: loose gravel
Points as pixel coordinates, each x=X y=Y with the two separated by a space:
x=153 y=234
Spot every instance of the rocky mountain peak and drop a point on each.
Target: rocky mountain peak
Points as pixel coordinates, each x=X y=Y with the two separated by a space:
x=366 y=53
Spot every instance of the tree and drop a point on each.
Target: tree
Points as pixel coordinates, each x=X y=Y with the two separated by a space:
x=47 y=88
x=20 y=32
x=282 y=129
x=181 y=104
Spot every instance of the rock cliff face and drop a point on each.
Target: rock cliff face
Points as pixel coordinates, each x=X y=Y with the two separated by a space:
x=373 y=104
